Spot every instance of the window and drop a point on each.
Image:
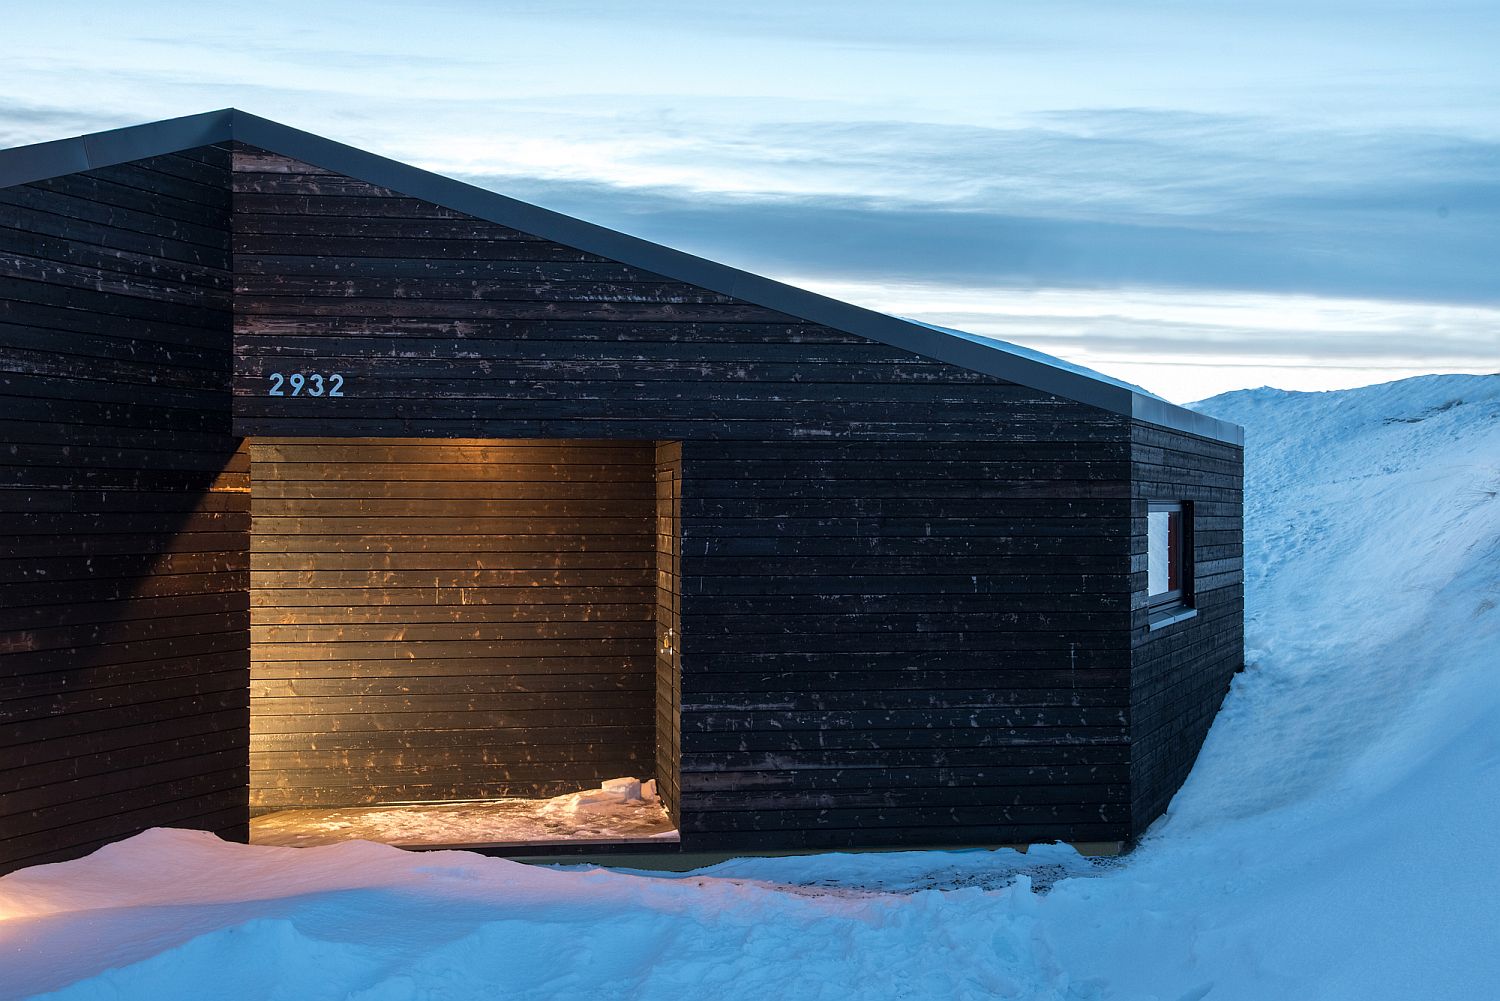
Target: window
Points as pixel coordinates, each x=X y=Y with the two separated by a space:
x=1168 y=543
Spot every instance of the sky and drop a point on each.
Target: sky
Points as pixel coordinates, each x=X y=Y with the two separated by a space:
x=1192 y=196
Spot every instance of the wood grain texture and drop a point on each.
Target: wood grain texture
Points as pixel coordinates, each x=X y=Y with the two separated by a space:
x=1180 y=673
x=445 y=325
x=669 y=627
x=862 y=667
x=123 y=570
x=461 y=619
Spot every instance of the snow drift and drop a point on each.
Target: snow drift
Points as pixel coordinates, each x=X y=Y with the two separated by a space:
x=1335 y=841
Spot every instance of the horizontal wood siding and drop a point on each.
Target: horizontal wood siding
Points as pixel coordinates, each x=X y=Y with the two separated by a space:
x=669 y=624
x=891 y=644
x=446 y=325
x=125 y=504
x=1182 y=671
x=455 y=619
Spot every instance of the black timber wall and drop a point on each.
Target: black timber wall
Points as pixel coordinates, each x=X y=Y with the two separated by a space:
x=448 y=326
x=124 y=496
x=905 y=586
x=449 y=619
x=890 y=643
x=1181 y=672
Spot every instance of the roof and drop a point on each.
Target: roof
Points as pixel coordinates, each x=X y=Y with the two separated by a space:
x=993 y=357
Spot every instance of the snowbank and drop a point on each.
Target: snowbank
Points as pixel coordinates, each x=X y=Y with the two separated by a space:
x=1335 y=841
x=179 y=914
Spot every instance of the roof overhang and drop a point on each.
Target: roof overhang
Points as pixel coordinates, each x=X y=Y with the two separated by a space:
x=25 y=164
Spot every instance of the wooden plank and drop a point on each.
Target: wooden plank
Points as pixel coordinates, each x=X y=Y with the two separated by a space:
x=94 y=652
x=521 y=743
x=446 y=338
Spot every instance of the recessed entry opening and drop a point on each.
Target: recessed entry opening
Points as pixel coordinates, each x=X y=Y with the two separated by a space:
x=463 y=641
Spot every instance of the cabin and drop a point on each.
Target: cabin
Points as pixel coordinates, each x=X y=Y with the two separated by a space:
x=338 y=493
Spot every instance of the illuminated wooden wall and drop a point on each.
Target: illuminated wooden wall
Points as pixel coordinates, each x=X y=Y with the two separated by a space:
x=438 y=620
x=669 y=638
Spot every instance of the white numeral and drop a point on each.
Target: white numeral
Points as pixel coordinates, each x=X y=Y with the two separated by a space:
x=313 y=382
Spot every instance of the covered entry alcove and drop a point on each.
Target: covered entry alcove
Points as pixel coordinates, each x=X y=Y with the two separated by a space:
x=445 y=632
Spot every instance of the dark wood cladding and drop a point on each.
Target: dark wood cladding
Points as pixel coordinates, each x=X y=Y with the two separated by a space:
x=1181 y=672
x=669 y=625
x=125 y=500
x=454 y=619
x=889 y=644
x=446 y=325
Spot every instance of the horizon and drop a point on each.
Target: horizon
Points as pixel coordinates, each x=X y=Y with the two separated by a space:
x=1192 y=200
x=1195 y=404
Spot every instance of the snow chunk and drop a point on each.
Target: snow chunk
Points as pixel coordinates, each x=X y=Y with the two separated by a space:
x=627 y=789
x=612 y=796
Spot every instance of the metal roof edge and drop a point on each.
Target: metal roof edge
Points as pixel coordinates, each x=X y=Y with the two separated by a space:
x=41 y=161
x=25 y=164
x=1150 y=410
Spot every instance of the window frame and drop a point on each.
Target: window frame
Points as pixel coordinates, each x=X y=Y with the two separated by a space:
x=1167 y=604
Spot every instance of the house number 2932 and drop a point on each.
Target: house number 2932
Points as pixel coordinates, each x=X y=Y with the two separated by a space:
x=310 y=383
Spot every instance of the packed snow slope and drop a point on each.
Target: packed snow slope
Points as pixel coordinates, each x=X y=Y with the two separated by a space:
x=1337 y=839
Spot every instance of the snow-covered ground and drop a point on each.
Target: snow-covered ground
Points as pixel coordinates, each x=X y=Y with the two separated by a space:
x=1337 y=839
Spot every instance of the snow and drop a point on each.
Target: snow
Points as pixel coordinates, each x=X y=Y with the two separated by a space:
x=1336 y=839
x=617 y=809
x=620 y=810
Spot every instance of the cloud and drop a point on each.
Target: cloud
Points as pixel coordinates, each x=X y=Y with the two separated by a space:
x=22 y=124
x=1091 y=200
x=962 y=167
x=1185 y=344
